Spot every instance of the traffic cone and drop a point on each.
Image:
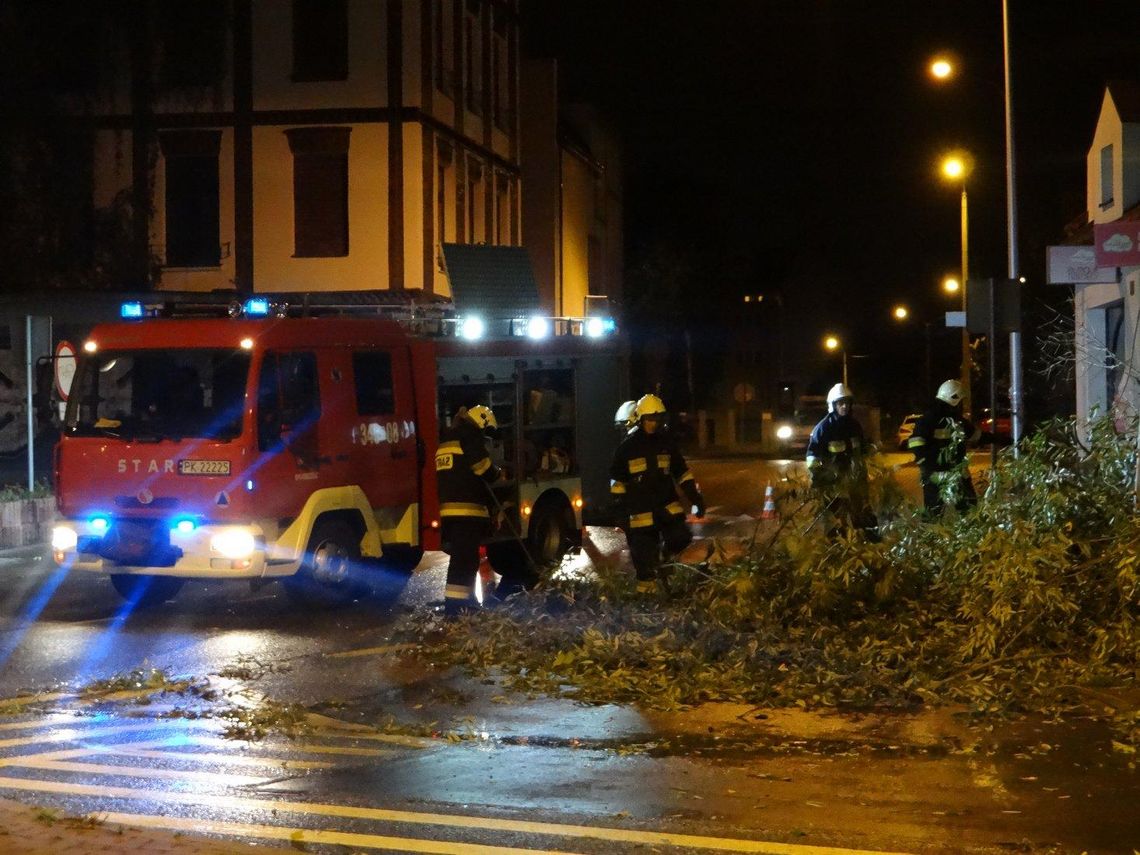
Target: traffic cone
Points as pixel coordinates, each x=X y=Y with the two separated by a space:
x=769 y=512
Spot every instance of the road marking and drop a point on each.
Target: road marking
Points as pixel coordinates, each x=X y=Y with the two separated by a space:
x=393 y=738
x=70 y=734
x=301 y=836
x=221 y=759
x=622 y=835
x=36 y=762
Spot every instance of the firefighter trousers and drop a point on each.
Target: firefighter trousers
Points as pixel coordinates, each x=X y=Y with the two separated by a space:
x=645 y=544
x=462 y=537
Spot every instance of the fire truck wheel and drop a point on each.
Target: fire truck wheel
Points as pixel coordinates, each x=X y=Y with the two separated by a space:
x=146 y=591
x=549 y=534
x=329 y=575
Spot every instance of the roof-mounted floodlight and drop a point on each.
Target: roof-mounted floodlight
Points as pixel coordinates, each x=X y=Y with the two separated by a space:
x=472 y=328
x=595 y=327
x=131 y=310
x=256 y=307
x=538 y=327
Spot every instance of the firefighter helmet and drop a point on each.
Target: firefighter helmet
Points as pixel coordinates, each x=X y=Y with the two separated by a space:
x=483 y=417
x=626 y=415
x=649 y=405
x=838 y=392
x=950 y=392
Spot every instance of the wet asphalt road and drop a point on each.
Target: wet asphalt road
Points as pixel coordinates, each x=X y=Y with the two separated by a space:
x=468 y=767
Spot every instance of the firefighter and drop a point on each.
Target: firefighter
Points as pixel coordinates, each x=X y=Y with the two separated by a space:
x=625 y=419
x=836 y=461
x=939 y=446
x=464 y=472
x=646 y=474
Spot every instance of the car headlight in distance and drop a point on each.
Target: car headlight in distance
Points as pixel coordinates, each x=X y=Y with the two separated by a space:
x=784 y=432
x=233 y=543
x=63 y=538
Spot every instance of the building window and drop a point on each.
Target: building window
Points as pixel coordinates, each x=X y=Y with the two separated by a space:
x=1106 y=176
x=320 y=40
x=1114 y=354
x=502 y=210
x=474 y=198
x=443 y=70
x=473 y=57
x=193 y=42
x=320 y=191
x=443 y=168
x=372 y=376
x=500 y=106
x=192 y=198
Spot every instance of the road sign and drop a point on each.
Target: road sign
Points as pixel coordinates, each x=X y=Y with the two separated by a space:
x=64 y=368
x=1003 y=300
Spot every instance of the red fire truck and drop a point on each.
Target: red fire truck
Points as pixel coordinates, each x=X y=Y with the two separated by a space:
x=277 y=442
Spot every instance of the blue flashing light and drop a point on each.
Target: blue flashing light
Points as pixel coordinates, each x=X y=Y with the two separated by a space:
x=249 y=485
x=257 y=307
x=609 y=325
x=131 y=310
x=99 y=523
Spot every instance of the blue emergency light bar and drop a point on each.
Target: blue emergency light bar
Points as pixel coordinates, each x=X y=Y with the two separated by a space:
x=257 y=307
x=131 y=310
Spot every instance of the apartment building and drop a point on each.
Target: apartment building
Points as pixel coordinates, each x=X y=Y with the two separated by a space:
x=295 y=145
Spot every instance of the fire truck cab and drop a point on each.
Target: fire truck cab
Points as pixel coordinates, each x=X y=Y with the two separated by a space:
x=267 y=446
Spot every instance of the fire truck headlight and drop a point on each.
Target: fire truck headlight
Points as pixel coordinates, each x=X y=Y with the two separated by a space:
x=472 y=328
x=537 y=328
x=233 y=543
x=63 y=538
x=784 y=432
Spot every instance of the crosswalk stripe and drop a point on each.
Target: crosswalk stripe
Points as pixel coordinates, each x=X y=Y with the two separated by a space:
x=659 y=838
x=134 y=771
x=301 y=836
x=235 y=760
x=70 y=734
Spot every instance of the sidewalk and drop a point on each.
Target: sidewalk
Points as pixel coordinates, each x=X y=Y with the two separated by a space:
x=33 y=830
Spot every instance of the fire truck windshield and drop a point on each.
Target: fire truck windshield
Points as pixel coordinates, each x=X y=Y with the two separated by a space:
x=151 y=395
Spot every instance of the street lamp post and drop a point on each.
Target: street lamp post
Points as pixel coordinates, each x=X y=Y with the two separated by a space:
x=900 y=314
x=955 y=168
x=832 y=343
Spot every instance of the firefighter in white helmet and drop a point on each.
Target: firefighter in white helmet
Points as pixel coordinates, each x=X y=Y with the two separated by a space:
x=464 y=471
x=836 y=462
x=646 y=475
x=939 y=446
x=625 y=419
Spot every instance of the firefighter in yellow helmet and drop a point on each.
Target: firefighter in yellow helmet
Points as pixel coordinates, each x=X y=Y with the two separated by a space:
x=625 y=419
x=939 y=446
x=464 y=471
x=646 y=474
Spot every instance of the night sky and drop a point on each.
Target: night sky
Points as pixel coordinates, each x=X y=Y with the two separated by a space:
x=791 y=147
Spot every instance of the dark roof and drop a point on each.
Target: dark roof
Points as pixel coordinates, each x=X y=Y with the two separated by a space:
x=1126 y=97
x=496 y=282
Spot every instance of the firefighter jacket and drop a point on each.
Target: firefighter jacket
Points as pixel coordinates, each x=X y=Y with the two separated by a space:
x=836 y=449
x=647 y=470
x=463 y=469
x=939 y=439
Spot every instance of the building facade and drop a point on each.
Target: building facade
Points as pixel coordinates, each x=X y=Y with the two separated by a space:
x=295 y=145
x=1102 y=262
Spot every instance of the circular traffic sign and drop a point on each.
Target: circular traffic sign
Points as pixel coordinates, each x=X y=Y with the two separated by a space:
x=64 y=368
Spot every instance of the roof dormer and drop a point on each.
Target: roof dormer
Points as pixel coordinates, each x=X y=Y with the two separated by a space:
x=1113 y=160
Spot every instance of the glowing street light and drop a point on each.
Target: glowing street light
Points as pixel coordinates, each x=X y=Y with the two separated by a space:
x=940 y=68
x=900 y=313
x=950 y=285
x=832 y=343
x=956 y=167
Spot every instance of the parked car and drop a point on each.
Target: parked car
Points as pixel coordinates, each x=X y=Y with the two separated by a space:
x=1001 y=432
x=906 y=428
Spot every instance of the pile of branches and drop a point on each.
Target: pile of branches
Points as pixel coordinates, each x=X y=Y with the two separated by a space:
x=1028 y=602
